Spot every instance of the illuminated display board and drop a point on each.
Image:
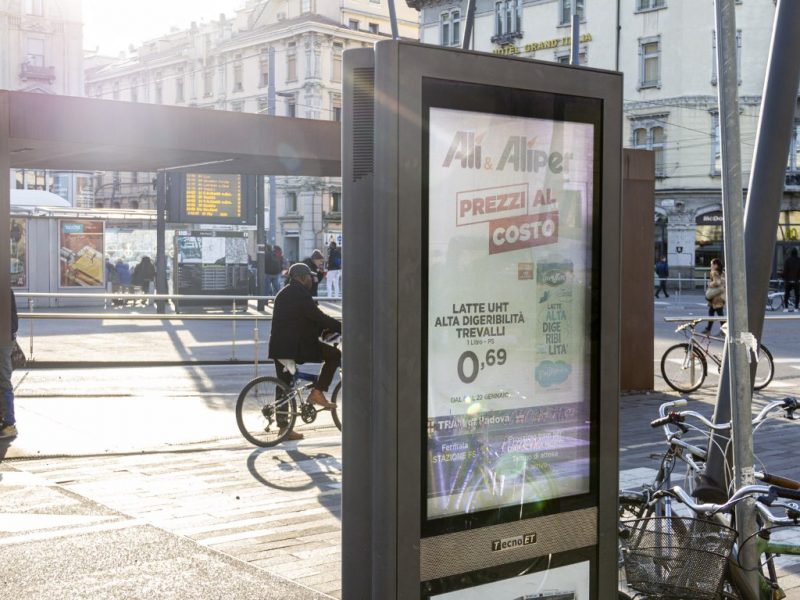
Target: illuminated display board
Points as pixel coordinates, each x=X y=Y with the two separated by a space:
x=510 y=265
x=211 y=198
x=214 y=196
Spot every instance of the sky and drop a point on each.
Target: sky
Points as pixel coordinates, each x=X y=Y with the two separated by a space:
x=112 y=25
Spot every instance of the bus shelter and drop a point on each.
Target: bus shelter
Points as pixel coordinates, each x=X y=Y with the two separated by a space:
x=40 y=131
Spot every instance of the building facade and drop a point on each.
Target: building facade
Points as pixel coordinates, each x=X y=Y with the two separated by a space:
x=296 y=46
x=667 y=51
x=41 y=51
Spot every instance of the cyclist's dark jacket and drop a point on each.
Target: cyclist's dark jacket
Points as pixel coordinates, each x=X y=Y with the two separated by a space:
x=297 y=322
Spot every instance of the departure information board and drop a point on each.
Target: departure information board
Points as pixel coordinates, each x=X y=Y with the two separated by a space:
x=211 y=198
x=209 y=195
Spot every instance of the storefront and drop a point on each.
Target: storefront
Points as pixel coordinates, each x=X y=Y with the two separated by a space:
x=708 y=239
x=788 y=238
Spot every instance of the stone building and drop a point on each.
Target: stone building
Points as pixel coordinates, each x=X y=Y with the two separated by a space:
x=41 y=51
x=227 y=64
x=666 y=49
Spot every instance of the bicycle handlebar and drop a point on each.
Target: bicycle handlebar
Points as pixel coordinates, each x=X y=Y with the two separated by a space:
x=766 y=495
x=782 y=492
x=778 y=480
x=788 y=404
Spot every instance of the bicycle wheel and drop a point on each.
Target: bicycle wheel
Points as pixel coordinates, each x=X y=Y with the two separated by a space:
x=765 y=369
x=683 y=371
x=336 y=398
x=265 y=411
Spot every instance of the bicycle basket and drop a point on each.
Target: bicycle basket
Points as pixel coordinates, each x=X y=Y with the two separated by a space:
x=676 y=558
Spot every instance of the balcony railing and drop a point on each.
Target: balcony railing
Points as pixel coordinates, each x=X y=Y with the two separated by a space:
x=29 y=71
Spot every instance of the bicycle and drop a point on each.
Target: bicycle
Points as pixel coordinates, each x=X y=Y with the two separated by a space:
x=676 y=424
x=267 y=408
x=648 y=502
x=696 y=557
x=684 y=366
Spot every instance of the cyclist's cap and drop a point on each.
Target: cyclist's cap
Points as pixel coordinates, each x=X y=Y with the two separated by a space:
x=297 y=270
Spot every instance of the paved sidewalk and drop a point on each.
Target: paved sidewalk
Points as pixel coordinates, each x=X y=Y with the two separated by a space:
x=229 y=516
x=56 y=543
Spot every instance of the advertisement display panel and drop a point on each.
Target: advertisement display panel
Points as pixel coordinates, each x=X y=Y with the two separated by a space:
x=80 y=253
x=511 y=192
x=210 y=263
x=569 y=582
x=485 y=192
x=19 y=252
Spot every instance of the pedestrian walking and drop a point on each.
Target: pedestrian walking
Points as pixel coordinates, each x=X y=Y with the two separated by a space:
x=316 y=262
x=273 y=267
x=791 y=280
x=715 y=293
x=334 y=266
x=662 y=270
x=8 y=422
x=144 y=274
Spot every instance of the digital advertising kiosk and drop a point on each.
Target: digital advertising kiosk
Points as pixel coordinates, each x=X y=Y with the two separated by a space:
x=482 y=199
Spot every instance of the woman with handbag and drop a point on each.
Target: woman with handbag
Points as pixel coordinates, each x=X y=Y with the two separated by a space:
x=715 y=293
x=8 y=427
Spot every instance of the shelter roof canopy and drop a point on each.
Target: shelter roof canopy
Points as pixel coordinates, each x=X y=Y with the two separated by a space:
x=84 y=134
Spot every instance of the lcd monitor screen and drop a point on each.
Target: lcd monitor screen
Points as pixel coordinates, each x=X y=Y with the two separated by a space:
x=511 y=272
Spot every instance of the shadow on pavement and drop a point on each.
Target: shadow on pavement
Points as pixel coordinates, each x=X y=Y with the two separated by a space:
x=323 y=471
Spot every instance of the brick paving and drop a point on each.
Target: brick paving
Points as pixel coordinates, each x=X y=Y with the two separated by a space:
x=279 y=509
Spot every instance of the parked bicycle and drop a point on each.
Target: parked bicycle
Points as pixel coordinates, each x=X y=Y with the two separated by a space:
x=696 y=556
x=267 y=409
x=692 y=454
x=653 y=509
x=684 y=366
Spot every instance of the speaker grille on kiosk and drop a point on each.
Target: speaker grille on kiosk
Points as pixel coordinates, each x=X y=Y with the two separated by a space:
x=363 y=121
x=456 y=553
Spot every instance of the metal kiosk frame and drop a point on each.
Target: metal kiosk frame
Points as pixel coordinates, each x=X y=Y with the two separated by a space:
x=390 y=547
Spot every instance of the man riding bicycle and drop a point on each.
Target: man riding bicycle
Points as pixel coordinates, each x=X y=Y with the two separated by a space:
x=297 y=323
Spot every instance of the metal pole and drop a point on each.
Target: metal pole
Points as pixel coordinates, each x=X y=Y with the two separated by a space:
x=273 y=217
x=30 y=330
x=393 y=20
x=765 y=190
x=5 y=220
x=233 y=333
x=161 y=234
x=575 y=58
x=255 y=349
x=736 y=348
x=260 y=241
x=467 y=43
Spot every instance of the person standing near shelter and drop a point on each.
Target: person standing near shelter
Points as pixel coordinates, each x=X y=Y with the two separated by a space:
x=273 y=266
x=334 y=270
x=791 y=280
x=662 y=270
x=8 y=427
x=715 y=293
x=297 y=323
x=144 y=274
x=124 y=274
x=315 y=263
